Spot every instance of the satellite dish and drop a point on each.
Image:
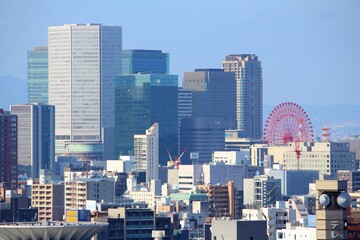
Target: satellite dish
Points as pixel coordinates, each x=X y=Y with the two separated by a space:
x=343 y=200
x=324 y=200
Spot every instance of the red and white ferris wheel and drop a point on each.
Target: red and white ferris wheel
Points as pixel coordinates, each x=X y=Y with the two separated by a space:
x=288 y=122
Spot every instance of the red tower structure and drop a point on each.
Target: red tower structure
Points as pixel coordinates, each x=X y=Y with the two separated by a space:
x=325 y=133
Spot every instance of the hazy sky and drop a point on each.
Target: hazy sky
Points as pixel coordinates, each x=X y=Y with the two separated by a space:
x=309 y=49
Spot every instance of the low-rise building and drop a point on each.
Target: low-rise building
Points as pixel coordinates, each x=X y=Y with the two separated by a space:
x=296 y=233
x=49 y=200
x=78 y=191
x=223 y=200
x=262 y=191
x=238 y=230
x=276 y=217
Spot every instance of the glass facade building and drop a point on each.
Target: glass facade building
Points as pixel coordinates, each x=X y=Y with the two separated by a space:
x=141 y=100
x=213 y=94
x=37 y=73
x=145 y=61
x=83 y=62
x=201 y=136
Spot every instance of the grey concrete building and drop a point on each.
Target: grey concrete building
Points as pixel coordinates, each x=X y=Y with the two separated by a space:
x=36 y=137
x=249 y=92
x=238 y=230
x=262 y=191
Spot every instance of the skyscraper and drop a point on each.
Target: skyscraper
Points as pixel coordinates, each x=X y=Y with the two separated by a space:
x=83 y=62
x=8 y=150
x=249 y=93
x=37 y=71
x=141 y=100
x=36 y=137
x=213 y=94
x=184 y=109
x=145 y=61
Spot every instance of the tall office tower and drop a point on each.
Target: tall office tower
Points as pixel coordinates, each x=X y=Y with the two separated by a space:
x=145 y=61
x=141 y=100
x=36 y=137
x=249 y=92
x=37 y=71
x=201 y=137
x=8 y=150
x=214 y=94
x=146 y=152
x=83 y=62
x=184 y=109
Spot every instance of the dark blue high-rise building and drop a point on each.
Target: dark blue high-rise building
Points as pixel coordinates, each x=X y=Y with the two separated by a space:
x=145 y=61
x=141 y=100
x=213 y=94
x=201 y=136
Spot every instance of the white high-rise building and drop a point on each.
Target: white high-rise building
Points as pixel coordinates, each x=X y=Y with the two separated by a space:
x=83 y=62
x=146 y=151
x=249 y=93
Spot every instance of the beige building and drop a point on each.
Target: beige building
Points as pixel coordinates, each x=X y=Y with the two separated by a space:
x=332 y=202
x=223 y=200
x=49 y=199
x=77 y=192
x=326 y=157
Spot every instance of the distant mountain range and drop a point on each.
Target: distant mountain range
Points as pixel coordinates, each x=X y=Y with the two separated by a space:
x=344 y=120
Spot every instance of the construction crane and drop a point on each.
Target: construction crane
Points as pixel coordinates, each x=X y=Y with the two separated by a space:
x=297 y=143
x=177 y=161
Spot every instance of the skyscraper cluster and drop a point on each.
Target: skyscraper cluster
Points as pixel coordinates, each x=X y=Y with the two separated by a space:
x=108 y=135
x=104 y=95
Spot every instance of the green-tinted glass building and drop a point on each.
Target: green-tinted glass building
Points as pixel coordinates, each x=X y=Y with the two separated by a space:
x=141 y=100
x=145 y=61
x=37 y=68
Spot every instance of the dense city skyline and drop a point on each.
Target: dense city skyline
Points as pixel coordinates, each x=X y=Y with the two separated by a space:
x=154 y=120
x=293 y=40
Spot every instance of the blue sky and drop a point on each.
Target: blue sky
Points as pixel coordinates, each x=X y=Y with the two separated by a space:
x=309 y=49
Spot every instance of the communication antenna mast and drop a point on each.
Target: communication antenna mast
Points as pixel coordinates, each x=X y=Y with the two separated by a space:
x=325 y=133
